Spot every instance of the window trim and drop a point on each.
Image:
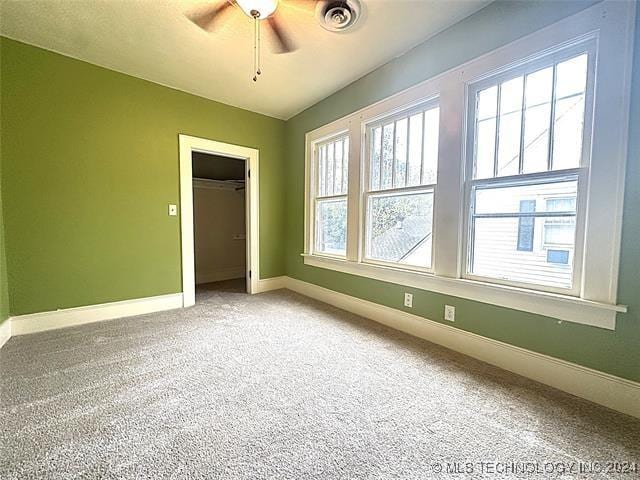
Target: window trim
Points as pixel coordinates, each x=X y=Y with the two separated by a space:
x=311 y=187
x=611 y=25
x=552 y=56
x=316 y=198
x=422 y=105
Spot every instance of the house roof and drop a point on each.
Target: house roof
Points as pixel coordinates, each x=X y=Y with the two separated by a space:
x=399 y=241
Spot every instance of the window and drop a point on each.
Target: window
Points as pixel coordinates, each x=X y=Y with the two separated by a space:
x=558 y=256
x=528 y=129
x=526 y=226
x=401 y=177
x=560 y=231
x=332 y=159
x=499 y=181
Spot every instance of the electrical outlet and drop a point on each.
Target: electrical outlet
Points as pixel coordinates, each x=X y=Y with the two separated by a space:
x=450 y=313
x=408 y=300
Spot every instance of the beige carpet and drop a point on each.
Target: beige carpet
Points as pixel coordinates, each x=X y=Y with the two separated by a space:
x=279 y=386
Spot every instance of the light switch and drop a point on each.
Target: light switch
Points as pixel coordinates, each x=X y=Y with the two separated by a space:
x=173 y=210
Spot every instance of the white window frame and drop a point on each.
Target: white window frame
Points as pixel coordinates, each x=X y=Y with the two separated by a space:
x=314 y=188
x=588 y=45
x=610 y=25
x=366 y=193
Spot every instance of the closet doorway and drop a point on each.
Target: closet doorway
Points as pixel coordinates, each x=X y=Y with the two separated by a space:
x=219 y=226
x=219 y=214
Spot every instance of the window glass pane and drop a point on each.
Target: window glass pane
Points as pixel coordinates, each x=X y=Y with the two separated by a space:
x=571 y=80
x=514 y=248
x=485 y=148
x=376 y=150
x=345 y=165
x=558 y=256
x=506 y=199
x=333 y=167
x=567 y=132
x=409 y=151
x=401 y=153
x=331 y=229
x=496 y=255
x=487 y=103
x=562 y=204
x=399 y=228
x=415 y=150
x=322 y=170
x=387 y=156
x=571 y=76
x=510 y=124
x=330 y=169
x=486 y=132
x=337 y=186
x=559 y=231
x=511 y=96
x=431 y=134
x=539 y=85
x=537 y=120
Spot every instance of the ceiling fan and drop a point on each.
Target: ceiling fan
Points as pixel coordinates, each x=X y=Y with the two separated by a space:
x=259 y=11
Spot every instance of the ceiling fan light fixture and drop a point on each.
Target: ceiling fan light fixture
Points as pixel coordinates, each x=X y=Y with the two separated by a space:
x=263 y=7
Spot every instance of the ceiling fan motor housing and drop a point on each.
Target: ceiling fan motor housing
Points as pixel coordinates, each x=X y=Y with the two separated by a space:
x=338 y=15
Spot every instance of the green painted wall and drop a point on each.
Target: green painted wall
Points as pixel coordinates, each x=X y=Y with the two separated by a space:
x=615 y=352
x=89 y=165
x=4 y=287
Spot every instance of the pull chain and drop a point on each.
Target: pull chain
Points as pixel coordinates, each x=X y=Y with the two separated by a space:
x=259 y=70
x=256 y=44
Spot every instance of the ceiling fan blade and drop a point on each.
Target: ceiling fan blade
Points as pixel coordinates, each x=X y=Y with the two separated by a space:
x=285 y=44
x=206 y=18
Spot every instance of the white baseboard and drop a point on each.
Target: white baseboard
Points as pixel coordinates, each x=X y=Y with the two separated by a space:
x=5 y=332
x=599 y=387
x=274 y=283
x=39 y=322
x=218 y=275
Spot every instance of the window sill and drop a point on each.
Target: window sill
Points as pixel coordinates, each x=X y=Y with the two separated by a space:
x=562 y=307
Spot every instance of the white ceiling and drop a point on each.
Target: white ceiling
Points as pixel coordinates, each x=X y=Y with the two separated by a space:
x=152 y=39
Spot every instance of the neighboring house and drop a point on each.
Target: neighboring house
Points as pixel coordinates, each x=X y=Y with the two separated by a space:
x=526 y=249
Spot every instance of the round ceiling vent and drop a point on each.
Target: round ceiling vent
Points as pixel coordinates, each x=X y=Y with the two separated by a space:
x=338 y=15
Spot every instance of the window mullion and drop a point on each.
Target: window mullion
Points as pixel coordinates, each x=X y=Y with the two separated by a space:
x=406 y=153
x=380 y=158
x=422 y=160
x=497 y=135
x=357 y=138
x=326 y=168
x=345 y=174
x=333 y=169
x=552 y=116
x=393 y=157
x=522 y=124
